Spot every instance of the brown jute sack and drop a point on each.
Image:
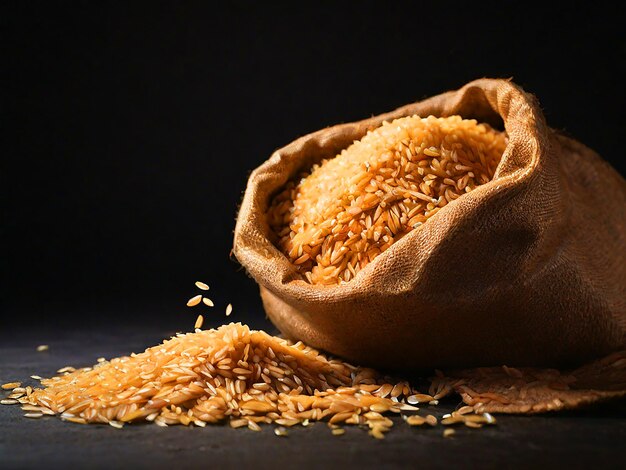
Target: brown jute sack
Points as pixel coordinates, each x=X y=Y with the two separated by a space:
x=527 y=270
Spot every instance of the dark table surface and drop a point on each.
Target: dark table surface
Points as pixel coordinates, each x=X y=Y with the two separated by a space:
x=594 y=437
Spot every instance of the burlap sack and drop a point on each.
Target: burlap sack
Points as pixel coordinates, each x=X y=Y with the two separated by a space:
x=526 y=270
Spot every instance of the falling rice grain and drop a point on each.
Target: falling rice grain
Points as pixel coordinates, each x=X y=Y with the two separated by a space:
x=229 y=309
x=199 y=321
x=201 y=285
x=42 y=347
x=448 y=432
x=208 y=302
x=195 y=300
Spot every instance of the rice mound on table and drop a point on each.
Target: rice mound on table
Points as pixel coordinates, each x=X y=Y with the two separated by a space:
x=230 y=373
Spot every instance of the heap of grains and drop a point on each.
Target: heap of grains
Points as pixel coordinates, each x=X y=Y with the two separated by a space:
x=336 y=219
x=232 y=374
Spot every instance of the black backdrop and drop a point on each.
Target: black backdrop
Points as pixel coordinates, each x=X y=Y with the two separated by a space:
x=129 y=128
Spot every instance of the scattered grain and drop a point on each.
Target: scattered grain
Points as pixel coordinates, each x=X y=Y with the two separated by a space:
x=281 y=431
x=201 y=285
x=431 y=420
x=415 y=420
x=448 y=432
x=11 y=385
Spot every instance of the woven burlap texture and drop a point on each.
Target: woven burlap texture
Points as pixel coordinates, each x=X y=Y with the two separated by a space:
x=526 y=270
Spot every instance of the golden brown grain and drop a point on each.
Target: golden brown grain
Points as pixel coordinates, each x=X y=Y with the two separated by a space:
x=431 y=420
x=195 y=300
x=11 y=385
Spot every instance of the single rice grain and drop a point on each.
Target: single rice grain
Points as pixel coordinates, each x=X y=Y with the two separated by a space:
x=195 y=300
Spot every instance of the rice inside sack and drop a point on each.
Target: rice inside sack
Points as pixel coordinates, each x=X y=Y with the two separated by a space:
x=349 y=209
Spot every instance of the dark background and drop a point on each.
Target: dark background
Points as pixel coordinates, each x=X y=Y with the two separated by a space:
x=130 y=128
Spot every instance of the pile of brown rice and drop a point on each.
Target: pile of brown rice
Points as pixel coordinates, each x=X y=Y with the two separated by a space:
x=232 y=374
x=336 y=219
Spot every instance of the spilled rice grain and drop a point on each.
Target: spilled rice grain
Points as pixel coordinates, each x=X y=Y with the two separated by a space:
x=280 y=431
x=449 y=432
x=232 y=375
x=11 y=385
